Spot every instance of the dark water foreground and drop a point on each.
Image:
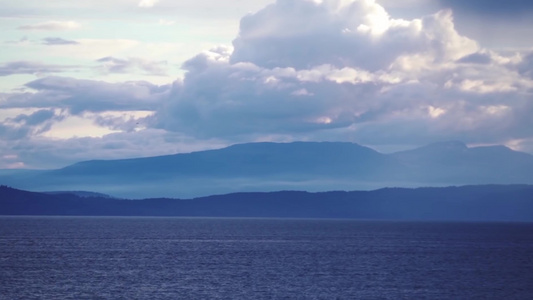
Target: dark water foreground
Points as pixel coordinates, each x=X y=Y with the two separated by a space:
x=174 y=258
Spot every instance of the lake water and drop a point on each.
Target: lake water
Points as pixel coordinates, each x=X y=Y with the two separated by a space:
x=179 y=258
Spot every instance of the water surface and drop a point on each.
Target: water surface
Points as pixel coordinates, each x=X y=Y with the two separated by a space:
x=172 y=258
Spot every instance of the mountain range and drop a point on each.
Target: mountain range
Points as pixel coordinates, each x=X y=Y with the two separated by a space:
x=467 y=203
x=307 y=166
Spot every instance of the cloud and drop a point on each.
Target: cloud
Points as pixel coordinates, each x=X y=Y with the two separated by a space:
x=495 y=24
x=147 y=3
x=10 y=133
x=52 y=25
x=117 y=65
x=525 y=66
x=29 y=67
x=78 y=96
x=344 y=34
x=298 y=70
x=62 y=108
x=84 y=49
x=52 y=41
x=476 y=58
x=36 y=118
x=346 y=70
x=23 y=126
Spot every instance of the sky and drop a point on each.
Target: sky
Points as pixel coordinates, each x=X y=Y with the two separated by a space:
x=83 y=80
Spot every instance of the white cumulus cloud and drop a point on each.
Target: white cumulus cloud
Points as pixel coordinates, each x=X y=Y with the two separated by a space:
x=366 y=77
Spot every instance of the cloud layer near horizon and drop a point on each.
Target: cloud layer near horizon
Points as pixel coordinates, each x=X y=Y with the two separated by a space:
x=298 y=70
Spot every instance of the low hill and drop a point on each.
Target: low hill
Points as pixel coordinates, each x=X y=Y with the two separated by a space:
x=467 y=203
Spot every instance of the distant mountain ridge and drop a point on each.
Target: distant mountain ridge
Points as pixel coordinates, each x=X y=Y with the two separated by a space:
x=310 y=166
x=478 y=165
x=467 y=203
x=254 y=159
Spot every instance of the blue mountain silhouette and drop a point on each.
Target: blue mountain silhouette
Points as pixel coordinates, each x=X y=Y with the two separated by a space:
x=309 y=166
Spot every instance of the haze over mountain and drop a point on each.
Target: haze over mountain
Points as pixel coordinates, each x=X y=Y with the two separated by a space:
x=308 y=166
